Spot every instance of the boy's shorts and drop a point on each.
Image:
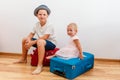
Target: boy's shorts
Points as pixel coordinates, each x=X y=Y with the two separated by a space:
x=49 y=45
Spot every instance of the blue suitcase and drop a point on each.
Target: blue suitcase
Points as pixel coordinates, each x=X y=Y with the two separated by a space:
x=71 y=68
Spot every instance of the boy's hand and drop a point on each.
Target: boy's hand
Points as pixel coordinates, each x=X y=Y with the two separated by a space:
x=28 y=44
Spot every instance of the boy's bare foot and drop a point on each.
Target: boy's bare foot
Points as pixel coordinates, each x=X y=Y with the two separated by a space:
x=20 y=61
x=37 y=70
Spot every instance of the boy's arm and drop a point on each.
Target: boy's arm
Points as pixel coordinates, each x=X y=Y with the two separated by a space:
x=30 y=35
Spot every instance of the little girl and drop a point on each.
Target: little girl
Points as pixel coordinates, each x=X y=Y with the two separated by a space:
x=73 y=49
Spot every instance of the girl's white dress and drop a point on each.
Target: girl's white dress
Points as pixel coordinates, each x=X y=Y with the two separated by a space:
x=70 y=50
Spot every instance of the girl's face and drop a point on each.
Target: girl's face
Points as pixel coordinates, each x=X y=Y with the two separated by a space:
x=71 y=31
x=42 y=16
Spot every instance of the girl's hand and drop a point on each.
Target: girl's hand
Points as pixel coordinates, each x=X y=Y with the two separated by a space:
x=81 y=56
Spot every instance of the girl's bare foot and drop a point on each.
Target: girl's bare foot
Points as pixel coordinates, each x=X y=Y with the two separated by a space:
x=37 y=70
x=49 y=57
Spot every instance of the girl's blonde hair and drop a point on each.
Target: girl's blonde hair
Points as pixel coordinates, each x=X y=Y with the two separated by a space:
x=74 y=25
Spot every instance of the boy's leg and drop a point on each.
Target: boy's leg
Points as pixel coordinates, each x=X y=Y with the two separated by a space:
x=42 y=45
x=23 y=59
x=41 y=50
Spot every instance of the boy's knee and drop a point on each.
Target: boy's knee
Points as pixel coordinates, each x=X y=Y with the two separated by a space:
x=24 y=39
x=41 y=42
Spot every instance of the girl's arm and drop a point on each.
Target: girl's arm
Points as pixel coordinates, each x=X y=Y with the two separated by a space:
x=78 y=45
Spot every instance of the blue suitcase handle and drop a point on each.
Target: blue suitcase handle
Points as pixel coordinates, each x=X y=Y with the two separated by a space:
x=59 y=72
x=88 y=66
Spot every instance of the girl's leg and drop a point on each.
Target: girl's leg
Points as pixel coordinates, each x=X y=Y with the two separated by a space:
x=23 y=59
x=49 y=57
x=41 y=51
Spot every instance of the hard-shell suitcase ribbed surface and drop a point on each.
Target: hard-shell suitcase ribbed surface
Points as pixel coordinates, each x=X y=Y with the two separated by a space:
x=72 y=68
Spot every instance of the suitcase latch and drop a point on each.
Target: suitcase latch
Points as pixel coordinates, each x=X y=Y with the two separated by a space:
x=73 y=67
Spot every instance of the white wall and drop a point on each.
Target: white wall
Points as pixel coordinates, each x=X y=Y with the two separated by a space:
x=98 y=21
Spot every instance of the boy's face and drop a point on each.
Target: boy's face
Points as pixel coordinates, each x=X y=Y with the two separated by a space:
x=42 y=15
x=71 y=31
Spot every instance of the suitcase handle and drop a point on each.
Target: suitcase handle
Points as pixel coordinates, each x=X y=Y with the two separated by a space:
x=59 y=72
x=89 y=66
